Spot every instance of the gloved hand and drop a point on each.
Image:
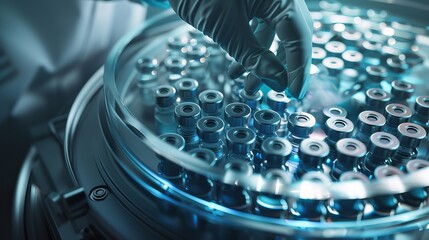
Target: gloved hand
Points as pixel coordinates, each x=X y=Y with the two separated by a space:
x=227 y=23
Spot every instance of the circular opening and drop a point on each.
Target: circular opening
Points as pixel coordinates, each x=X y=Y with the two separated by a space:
x=238 y=109
x=186 y=84
x=302 y=119
x=351 y=147
x=279 y=95
x=333 y=62
x=340 y=123
x=175 y=61
x=202 y=156
x=426 y=101
x=210 y=96
x=164 y=90
x=399 y=110
x=412 y=130
x=267 y=116
x=314 y=147
x=378 y=94
x=235 y=166
x=210 y=123
x=419 y=166
x=241 y=134
x=187 y=108
x=403 y=85
x=376 y=69
x=353 y=54
x=171 y=140
x=385 y=140
x=277 y=145
x=372 y=118
x=335 y=111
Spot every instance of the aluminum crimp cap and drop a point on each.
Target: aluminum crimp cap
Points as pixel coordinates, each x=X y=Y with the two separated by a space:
x=370 y=122
x=402 y=90
x=204 y=154
x=377 y=98
x=422 y=106
x=210 y=129
x=186 y=88
x=187 y=114
x=237 y=114
x=410 y=135
x=313 y=151
x=276 y=151
x=335 y=111
x=240 y=140
x=383 y=145
x=175 y=64
x=211 y=101
x=397 y=113
x=266 y=121
x=376 y=73
x=338 y=127
x=350 y=151
x=277 y=101
x=301 y=124
x=165 y=95
x=174 y=140
x=252 y=100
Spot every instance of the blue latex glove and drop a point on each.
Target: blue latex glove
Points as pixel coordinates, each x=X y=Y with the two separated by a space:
x=227 y=23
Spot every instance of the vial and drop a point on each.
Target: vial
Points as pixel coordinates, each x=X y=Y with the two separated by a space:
x=352 y=59
x=279 y=102
x=267 y=122
x=334 y=111
x=275 y=152
x=350 y=153
x=382 y=147
x=335 y=48
x=416 y=197
x=374 y=76
x=176 y=45
x=351 y=38
x=231 y=195
x=210 y=130
x=165 y=98
x=147 y=77
x=240 y=142
x=187 y=116
x=395 y=115
x=253 y=101
x=271 y=205
x=310 y=209
x=333 y=65
x=187 y=90
x=371 y=50
x=421 y=115
x=236 y=115
x=401 y=92
x=336 y=128
x=397 y=64
x=197 y=184
x=376 y=100
x=384 y=205
x=168 y=170
x=312 y=153
x=410 y=136
x=211 y=102
x=348 y=209
x=368 y=122
x=176 y=68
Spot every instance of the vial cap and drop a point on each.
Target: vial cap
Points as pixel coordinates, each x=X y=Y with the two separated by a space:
x=276 y=151
x=350 y=150
x=301 y=124
x=210 y=129
x=175 y=64
x=383 y=144
x=177 y=43
x=313 y=151
x=335 y=111
x=402 y=90
x=422 y=106
x=196 y=52
x=416 y=164
x=397 y=114
x=376 y=73
x=237 y=114
x=334 y=65
x=165 y=96
x=370 y=122
x=277 y=101
x=337 y=128
x=387 y=171
x=252 y=100
x=240 y=140
x=352 y=58
x=377 y=98
x=186 y=88
x=211 y=101
x=266 y=121
x=187 y=114
x=351 y=176
x=204 y=154
x=410 y=135
x=335 y=48
x=318 y=54
x=147 y=65
x=174 y=140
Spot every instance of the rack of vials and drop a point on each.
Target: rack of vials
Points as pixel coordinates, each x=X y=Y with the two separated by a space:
x=365 y=119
